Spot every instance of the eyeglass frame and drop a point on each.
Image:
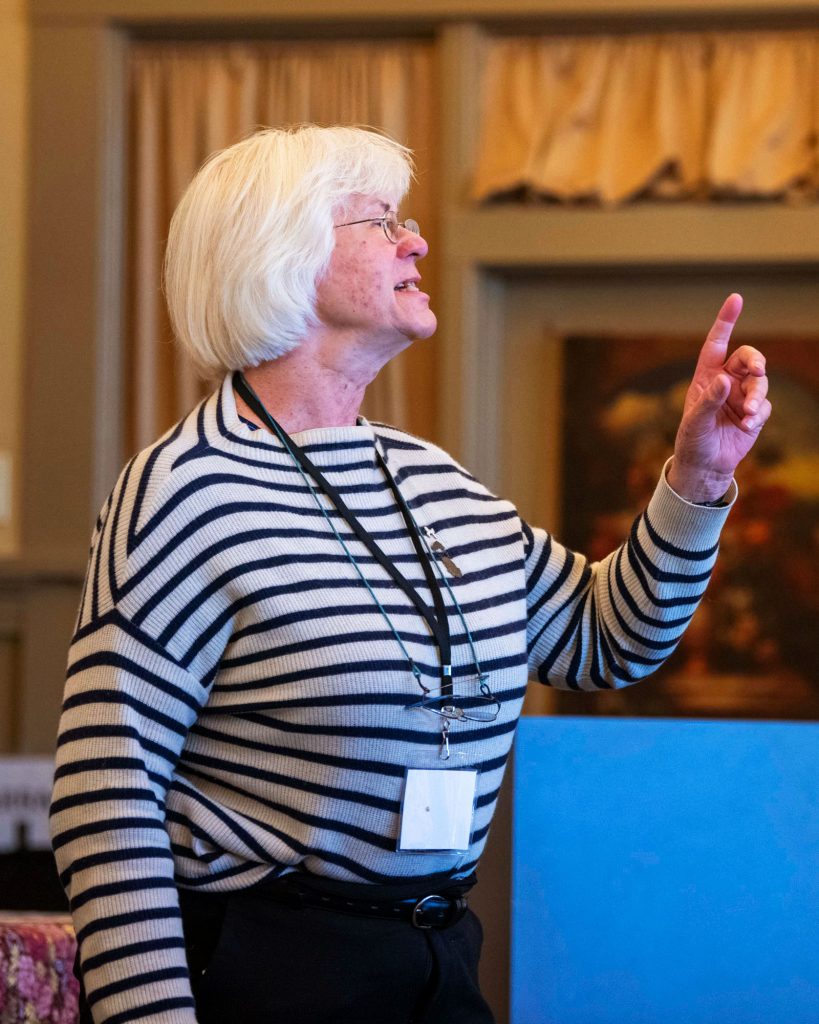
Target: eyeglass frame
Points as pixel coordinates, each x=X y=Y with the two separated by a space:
x=452 y=712
x=390 y=219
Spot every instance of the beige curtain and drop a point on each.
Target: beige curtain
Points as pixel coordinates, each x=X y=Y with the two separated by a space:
x=678 y=115
x=189 y=100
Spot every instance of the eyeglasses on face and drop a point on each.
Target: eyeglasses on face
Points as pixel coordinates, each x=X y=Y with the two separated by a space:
x=390 y=223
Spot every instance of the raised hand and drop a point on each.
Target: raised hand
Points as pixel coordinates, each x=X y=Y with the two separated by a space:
x=726 y=407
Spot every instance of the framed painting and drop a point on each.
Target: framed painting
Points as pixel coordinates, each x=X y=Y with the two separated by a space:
x=752 y=649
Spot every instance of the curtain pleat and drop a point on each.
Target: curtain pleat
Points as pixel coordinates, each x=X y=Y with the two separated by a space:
x=189 y=100
x=678 y=115
x=763 y=139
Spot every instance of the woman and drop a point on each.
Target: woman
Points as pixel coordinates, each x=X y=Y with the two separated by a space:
x=304 y=639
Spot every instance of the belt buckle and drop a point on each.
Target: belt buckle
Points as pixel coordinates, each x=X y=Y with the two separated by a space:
x=416 y=922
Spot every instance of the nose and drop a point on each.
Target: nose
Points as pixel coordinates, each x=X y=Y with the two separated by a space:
x=412 y=243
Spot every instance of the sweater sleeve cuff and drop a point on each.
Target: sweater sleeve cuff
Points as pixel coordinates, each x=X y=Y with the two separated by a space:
x=682 y=522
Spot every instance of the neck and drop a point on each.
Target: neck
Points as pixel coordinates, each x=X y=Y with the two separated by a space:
x=301 y=392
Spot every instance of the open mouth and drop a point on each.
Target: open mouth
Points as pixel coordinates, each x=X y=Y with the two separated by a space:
x=406 y=286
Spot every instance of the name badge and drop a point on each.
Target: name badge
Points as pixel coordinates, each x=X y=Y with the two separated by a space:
x=437 y=810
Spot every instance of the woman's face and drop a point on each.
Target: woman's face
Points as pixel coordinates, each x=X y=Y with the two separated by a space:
x=370 y=289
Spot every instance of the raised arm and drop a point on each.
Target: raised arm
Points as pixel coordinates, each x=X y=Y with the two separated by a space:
x=609 y=623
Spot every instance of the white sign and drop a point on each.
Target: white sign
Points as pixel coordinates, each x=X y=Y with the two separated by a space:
x=25 y=795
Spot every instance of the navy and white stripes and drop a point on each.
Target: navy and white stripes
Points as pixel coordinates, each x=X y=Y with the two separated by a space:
x=235 y=702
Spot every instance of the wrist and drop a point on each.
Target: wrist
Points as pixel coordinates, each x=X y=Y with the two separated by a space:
x=697 y=486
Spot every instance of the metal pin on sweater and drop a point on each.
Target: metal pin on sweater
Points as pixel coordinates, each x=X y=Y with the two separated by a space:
x=441 y=552
x=444 y=752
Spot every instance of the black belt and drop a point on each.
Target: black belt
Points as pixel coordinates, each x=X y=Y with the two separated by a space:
x=434 y=910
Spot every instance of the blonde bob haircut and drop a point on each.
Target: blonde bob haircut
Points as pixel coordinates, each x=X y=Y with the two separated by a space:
x=253 y=234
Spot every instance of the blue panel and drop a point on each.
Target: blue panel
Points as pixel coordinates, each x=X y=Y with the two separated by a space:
x=665 y=872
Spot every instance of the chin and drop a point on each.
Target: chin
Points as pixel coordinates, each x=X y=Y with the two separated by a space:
x=426 y=329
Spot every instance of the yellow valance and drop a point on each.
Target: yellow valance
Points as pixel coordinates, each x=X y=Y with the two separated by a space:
x=677 y=115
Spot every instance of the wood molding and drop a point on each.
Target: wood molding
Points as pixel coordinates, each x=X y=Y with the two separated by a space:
x=504 y=11
x=513 y=236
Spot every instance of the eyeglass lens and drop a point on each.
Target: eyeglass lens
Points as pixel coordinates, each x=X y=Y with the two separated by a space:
x=392 y=225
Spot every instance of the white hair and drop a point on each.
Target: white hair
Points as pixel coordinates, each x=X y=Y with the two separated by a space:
x=253 y=233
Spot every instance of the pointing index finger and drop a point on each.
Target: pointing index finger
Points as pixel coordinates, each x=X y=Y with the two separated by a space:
x=716 y=344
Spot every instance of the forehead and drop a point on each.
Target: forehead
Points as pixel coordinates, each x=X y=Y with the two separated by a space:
x=367 y=206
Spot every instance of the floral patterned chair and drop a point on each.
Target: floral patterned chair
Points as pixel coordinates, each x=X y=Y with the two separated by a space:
x=37 y=983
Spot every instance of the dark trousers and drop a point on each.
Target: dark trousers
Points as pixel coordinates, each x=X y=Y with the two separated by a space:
x=255 y=960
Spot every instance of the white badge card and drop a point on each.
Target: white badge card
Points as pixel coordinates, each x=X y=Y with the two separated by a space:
x=437 y=810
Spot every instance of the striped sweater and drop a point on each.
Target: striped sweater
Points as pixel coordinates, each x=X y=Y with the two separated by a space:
x=235 y=702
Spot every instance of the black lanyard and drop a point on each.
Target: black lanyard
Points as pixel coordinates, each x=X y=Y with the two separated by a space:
x=438 y=621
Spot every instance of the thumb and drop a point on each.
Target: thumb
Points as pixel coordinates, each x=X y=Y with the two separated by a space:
x=715 y=395
x=701 y=416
